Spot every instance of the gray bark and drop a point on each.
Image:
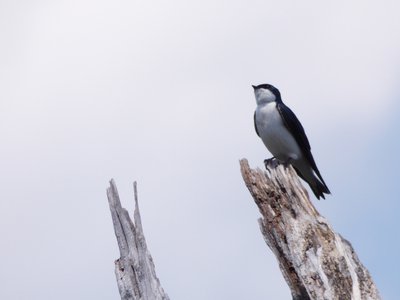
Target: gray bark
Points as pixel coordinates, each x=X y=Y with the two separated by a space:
x=316 y=262
x=135 y=271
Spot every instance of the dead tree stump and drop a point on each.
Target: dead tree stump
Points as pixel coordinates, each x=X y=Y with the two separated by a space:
x=135 y=271
x=316 y=262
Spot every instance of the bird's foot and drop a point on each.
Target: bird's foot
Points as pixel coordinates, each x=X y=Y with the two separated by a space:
x=287 y=162
x=271 y=163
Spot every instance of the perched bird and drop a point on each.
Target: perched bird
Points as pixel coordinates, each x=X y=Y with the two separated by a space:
x=284 y=136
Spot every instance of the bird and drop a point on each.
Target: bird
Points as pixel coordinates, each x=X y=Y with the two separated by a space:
x=284 y=136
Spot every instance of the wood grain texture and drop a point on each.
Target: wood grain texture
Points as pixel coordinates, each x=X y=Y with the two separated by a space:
x=316 y=262
x=135 y=271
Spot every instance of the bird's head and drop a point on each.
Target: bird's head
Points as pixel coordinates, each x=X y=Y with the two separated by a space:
x=266 y=93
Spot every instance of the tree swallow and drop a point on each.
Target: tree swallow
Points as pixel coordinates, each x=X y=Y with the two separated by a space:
x=284 y=136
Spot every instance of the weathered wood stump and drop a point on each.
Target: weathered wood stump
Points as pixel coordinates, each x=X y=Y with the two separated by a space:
x=316 y=262
x=135 y=271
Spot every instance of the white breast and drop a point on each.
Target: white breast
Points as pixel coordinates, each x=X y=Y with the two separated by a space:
x=274 y=134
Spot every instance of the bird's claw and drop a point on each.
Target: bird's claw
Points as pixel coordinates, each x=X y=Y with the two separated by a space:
x=287 y=163
x=270 y=163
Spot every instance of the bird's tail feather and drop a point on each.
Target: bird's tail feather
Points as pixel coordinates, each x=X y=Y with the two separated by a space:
x=319 y=188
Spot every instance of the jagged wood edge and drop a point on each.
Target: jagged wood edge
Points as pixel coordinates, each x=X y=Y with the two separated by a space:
x=316 y=262
x=134 y=270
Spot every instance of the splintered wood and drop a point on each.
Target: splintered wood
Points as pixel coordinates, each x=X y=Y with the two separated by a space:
x=316 y=262
x=135 y=271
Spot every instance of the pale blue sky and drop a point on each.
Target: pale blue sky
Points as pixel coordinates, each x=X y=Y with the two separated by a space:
x=160 y=92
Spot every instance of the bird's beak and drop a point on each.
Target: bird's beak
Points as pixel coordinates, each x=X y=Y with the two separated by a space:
x=254 y=87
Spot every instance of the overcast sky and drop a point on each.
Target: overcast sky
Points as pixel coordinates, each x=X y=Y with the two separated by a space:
x=160 y=92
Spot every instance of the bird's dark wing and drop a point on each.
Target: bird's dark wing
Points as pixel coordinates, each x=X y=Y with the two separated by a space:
x=255 y=124
x=296 y=129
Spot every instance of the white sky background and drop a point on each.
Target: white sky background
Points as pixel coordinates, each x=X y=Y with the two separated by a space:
x=160 y=92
